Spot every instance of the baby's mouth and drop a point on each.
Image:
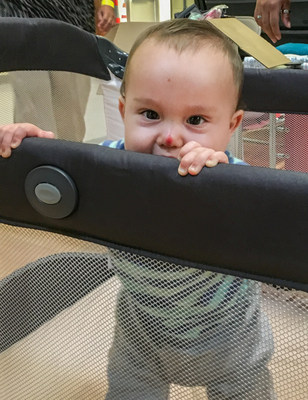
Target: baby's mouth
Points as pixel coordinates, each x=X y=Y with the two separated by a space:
x=168 y=155
x=166 y=152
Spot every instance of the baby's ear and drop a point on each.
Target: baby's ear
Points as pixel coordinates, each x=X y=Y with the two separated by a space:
x=122 y=106
x=236 y=120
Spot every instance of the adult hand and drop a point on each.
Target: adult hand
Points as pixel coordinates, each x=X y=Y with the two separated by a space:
x=267 y=14
x=194 y=157
x=105 y=19
x=12 y=135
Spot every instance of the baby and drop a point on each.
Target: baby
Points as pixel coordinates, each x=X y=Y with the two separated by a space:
x=180 y=99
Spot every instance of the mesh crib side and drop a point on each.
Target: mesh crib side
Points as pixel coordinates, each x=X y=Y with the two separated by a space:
x=71 y=354
x=56 y=84
x=80 y=266
x=275 y=125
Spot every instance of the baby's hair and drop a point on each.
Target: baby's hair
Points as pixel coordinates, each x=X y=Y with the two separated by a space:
x=183 y=34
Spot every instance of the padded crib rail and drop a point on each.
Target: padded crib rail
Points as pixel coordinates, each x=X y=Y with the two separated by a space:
x=247 y=221
x=45 y=44
x=26 y=44
x=280 y=91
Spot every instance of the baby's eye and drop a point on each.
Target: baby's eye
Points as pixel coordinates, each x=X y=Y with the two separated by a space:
x=150 y=114
x=195 y=120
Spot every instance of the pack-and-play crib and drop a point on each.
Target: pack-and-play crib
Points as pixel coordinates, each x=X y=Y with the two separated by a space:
x=59 y=289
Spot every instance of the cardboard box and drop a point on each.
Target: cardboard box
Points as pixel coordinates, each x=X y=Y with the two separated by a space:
x=251 y=42
x=123 y=35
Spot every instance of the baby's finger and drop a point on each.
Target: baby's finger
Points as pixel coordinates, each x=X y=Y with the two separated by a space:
x=193 y=162
x=16 y=140
x=29 y=130
x=5 y=144
x=46 y=134
x=16 y=133
x=215 y=158
x=5 y=151
x=187 y=148
x=204 y=158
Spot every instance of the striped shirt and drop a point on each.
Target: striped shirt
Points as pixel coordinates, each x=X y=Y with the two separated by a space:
x=184 y=303
x=76 y=12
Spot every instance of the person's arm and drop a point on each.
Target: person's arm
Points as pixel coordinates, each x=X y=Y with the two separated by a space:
x=12 y=135
x=194 y=157
x=105 y=16
x=267 y=14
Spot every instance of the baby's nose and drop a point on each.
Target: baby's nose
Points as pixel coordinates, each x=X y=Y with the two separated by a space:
x=169 y=140
x=172 y=137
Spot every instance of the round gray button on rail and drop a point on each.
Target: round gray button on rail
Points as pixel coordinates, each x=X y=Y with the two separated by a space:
x=47 y=193
x=51 y=191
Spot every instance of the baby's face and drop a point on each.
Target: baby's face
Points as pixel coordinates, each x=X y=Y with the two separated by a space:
x=172 y=99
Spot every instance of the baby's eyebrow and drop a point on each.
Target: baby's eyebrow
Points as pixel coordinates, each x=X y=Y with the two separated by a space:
x=200 y=109
x=190 y=109
x=147 y=101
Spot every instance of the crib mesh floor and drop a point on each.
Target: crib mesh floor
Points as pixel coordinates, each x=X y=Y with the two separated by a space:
x=58 y=298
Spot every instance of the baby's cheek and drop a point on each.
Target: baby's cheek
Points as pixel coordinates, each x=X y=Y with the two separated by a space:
x=136 y=144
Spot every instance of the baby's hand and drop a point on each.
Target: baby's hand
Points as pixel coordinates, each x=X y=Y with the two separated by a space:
x=194 y=157
x=12 y=135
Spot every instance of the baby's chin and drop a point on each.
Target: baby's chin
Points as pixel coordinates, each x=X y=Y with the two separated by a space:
x=169 y=156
